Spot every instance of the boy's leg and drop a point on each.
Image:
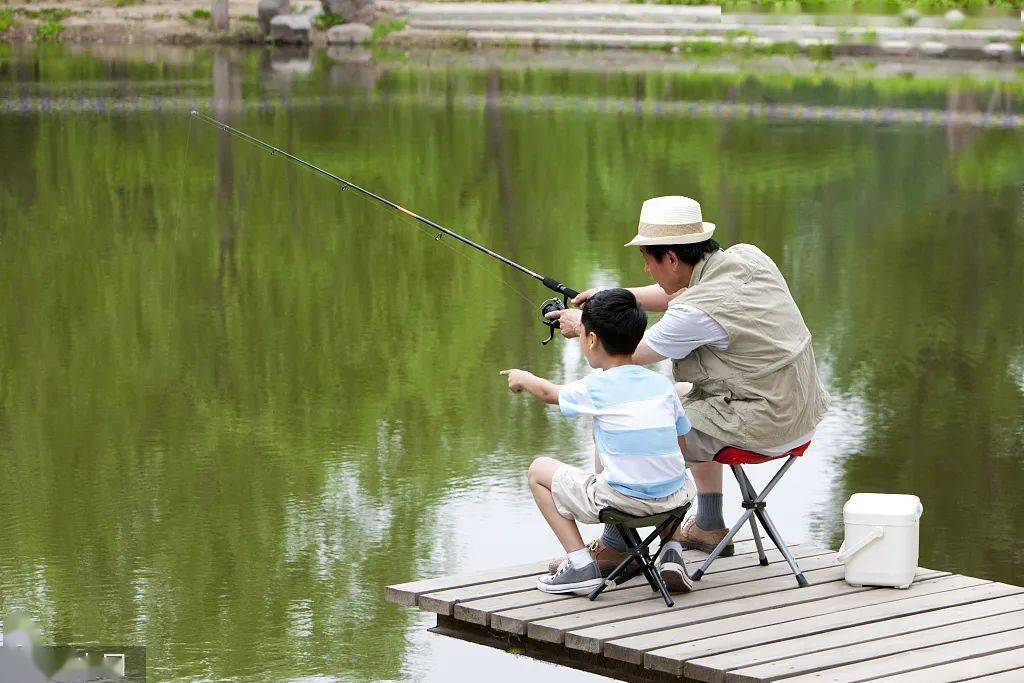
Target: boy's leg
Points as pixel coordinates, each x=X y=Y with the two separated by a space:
x=541 y=473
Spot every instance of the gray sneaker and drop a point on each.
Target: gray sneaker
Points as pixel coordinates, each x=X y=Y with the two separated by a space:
x=568 y=579
x=672 y=568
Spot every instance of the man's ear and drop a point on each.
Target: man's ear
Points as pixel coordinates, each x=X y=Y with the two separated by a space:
x=673 y=259
x=592 y=341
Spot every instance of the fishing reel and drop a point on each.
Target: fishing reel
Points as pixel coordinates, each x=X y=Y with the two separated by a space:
x=554 y=304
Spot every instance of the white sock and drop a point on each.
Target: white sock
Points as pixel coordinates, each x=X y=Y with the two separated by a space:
x=580 y=558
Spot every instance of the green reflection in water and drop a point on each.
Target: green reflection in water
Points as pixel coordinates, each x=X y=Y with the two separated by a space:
x=235 y=401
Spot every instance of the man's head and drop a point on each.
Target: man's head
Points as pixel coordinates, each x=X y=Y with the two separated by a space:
x=673 y=237
x=671 y=265
x=613 y=325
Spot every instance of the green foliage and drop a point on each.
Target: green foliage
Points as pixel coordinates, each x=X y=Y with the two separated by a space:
x=249 y=18
x=325 y=20
x=49 y=31
x=385 y=28
x=6 y=20
x=127 y=3
x=49 y=14
x=196 y=15
x=849 y=6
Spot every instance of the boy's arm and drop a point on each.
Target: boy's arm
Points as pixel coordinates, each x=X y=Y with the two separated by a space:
x=521 y=380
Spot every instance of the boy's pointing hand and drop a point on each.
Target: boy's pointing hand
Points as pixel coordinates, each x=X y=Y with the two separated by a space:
x=516 y=379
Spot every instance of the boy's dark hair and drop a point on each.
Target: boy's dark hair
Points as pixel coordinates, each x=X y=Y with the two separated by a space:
x=690 y=254
x=617 y=319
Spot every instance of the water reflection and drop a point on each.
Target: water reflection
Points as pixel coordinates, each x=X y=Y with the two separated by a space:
x=236 y=402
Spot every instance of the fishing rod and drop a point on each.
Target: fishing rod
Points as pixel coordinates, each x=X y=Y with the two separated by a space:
x=550 y=305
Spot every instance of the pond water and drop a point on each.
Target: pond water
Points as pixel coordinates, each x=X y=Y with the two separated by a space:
x=236 y=402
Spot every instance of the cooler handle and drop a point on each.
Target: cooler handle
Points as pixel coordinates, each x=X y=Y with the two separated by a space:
x=846 y=553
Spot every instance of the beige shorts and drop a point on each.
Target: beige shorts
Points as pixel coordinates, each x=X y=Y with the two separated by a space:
x=701 y=447
x=581 y=496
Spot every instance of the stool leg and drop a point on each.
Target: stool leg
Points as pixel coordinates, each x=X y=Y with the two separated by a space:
x=769 y=527
x=749 y=495
x=721 y=546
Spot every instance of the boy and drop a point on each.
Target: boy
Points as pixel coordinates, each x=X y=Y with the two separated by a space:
x=639 y=428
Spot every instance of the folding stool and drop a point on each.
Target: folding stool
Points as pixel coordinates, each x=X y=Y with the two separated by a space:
x=639 y=549
x=754 y=506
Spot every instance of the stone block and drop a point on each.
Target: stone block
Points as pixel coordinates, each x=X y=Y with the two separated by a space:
x=349 y=34
x=294 y=29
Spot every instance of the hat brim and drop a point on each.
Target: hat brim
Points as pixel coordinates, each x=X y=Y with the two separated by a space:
x=705 y=234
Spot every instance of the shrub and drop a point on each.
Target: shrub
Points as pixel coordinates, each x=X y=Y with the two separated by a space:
x=325 y=20
x=49 y=30
x=386 y=28
x=6 y=20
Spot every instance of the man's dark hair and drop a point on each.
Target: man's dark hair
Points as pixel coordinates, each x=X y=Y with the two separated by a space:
x=617 y=319
x=690 y=254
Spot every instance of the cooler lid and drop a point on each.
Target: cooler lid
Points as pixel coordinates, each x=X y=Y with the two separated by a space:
x=889 y=509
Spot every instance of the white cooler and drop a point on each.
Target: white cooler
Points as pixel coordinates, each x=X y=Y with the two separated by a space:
x=880 y=548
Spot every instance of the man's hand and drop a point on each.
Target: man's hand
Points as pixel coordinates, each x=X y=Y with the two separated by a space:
x=568 y=321
x=517 y=379
x=582 y=297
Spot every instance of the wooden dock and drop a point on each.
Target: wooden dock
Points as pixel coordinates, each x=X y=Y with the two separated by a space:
x=743 y=622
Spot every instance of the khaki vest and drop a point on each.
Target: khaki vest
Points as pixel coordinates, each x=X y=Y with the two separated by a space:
x=763 y=391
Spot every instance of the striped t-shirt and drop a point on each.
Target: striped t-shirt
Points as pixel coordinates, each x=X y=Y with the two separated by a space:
x=637 y=417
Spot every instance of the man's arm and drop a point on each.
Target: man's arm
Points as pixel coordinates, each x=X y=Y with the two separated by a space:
x=652 y=297
x=645 y=355
x=521 y=380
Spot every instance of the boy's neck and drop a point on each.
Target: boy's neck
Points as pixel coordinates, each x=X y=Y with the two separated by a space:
x=609 y=362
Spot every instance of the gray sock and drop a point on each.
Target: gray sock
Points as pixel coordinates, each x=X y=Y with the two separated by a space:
x=611 y=538
x=709 y=511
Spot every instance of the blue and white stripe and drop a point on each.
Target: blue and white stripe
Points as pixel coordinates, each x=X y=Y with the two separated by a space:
x=637 y=419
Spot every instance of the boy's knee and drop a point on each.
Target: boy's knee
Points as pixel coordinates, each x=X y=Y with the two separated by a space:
x=537 y=467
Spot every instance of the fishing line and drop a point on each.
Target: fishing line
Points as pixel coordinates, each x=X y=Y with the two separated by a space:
x=436 y=230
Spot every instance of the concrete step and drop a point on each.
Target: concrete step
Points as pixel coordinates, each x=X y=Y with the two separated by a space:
x=729 y=31
x=563 y=11
x=889 y=48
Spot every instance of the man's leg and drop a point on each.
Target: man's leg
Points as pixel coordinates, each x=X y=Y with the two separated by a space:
x=706 y=528
x=708 y=477
x=540 y=474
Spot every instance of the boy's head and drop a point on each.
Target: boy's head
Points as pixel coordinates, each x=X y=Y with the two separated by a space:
x=615 y=320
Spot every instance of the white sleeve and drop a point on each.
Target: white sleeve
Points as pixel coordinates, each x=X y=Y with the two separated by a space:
x=682 y=329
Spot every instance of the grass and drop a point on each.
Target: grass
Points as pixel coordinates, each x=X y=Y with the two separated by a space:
x=6 y=20
x=249 y=18
x=196 y=15
x=386 y=28
x=49 y=31
x=325 y=20
x=127 y=3
x=848 y=6
x=48 y=14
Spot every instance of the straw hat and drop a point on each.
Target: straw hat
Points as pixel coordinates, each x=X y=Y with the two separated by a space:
x=671 y=220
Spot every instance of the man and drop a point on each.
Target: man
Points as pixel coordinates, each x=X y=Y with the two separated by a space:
x=733 y=331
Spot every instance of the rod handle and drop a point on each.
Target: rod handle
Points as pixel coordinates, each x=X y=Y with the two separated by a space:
x=557 y=286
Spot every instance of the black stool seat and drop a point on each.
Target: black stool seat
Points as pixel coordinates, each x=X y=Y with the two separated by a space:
x=664 y=523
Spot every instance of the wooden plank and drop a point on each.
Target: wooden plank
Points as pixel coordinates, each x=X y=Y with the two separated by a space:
x=676 y=659
x=444 y=592
x=1009 y=676
x=443 y=602
x=715 y=667
x=479 y=611
x=715 y=589
x=406 y=593
x=920 y=660
x=632 y=646
x=863 y=651
x=516 y=620
x=643 y=628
